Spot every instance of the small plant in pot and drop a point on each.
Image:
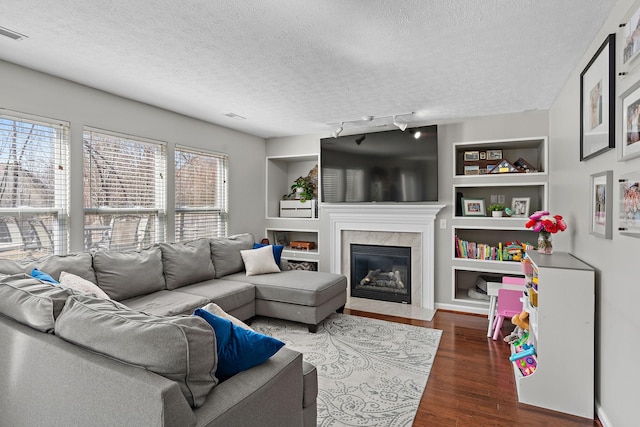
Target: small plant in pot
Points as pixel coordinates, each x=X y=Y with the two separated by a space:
x=302 y=189
x=497 y=209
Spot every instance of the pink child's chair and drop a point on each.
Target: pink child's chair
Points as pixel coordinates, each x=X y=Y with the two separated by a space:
x=509 y=305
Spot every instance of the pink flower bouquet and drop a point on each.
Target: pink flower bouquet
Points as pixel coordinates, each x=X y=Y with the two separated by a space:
x=542 y=221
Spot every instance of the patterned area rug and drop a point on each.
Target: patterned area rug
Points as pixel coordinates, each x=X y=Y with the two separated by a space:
x=370 y=372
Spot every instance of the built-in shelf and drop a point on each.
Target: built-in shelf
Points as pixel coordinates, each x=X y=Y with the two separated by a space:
x=493 y=188
x=281 y=173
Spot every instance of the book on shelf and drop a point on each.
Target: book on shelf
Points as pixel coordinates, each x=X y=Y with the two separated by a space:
x=508 y=251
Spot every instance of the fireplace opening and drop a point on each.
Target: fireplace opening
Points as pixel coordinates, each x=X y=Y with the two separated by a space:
x=381 y=272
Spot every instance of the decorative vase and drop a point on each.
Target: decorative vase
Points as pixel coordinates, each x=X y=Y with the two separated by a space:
x=545 y=244
x=496 y=213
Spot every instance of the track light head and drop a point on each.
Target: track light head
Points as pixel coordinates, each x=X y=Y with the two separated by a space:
x=338 y=131
x=402 y=125
x=359 y=140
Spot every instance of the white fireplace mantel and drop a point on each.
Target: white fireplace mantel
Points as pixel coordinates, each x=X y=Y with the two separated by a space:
x=398 y=218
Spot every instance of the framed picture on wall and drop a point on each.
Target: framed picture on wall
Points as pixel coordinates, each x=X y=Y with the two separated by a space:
x=629 y=217
x=630 y=39
x=473 y=207
x=630 y=145
x=601 y=204
x=597 y=101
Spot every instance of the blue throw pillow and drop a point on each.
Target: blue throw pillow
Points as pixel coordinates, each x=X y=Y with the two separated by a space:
x=40 y=275
x=238 y=349
x=277 y=251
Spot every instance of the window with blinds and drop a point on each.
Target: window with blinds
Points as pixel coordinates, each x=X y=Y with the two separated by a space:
x=33 y=186
x=124 y=191
x=201 y=194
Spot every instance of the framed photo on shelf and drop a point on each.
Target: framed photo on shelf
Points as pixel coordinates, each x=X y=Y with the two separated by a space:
x=597 y=101
x=473 y=207
x=520 y=206
x=629 y=221
x=630 y=146
x=601 y=204
x=472 y=170
x=471 y=156
x=494 y=154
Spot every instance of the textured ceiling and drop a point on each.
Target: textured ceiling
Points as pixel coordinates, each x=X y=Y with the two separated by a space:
x=295 y=67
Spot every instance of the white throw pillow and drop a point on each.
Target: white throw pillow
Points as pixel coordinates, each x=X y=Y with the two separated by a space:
x=259 y=261
x=79 y=284
x=215 y=309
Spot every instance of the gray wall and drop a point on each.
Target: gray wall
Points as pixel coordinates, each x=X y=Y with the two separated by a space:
x=617 y=284
x=32 y=92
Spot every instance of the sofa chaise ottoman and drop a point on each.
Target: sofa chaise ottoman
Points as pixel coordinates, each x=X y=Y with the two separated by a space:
x=167 y=279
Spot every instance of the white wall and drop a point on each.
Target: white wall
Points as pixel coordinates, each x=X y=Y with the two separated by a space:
x=29 y=91
x=617 y=283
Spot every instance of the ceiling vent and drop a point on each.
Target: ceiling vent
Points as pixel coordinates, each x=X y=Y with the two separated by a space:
x=11 y=34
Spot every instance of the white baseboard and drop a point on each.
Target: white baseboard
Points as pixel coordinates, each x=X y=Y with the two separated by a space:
x=602 y=416
x=462 y=308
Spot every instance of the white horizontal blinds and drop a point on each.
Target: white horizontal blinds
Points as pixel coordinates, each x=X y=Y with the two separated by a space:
x=33 y=186
x=201 y=194
x=124 y=190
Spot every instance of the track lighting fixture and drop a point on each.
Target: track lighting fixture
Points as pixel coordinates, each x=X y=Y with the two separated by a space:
x=401 y=121
x=338 y=131
x=417 y=134
x=359 y=140
x=400 y=124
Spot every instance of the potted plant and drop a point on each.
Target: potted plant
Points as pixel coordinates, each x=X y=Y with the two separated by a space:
x=497 y=209
x=302 y=189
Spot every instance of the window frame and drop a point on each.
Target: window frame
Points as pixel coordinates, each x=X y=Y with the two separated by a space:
x=160 y=191
x=59 y=212
x=221 y=211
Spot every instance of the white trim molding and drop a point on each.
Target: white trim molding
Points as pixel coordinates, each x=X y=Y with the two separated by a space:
x=418 y=218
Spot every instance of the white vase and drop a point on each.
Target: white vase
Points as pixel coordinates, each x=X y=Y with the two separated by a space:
x=496 y=213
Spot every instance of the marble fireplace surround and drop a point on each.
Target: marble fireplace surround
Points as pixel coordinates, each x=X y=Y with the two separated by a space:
x=387 y=224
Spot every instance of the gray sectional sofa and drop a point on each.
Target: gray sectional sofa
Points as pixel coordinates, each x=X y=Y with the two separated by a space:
x=140 y=358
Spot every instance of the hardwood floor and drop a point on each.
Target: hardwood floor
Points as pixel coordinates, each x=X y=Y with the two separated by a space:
x=471 y=382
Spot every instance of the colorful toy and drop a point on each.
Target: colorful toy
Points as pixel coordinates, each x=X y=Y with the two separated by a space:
x=521 y=320
x=527 y=365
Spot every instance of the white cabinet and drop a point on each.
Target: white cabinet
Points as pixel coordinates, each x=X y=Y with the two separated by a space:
x=562 y=327
x=490 y=188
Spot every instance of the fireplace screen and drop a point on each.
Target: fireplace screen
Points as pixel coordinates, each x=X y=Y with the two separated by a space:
x=381 y=272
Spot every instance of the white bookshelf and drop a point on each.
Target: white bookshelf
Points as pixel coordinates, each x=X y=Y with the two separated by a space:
x=562 y=327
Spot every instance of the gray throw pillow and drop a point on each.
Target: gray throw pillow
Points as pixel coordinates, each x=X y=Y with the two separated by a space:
x=32 y=302
x=79 y=264
x=128 y=274
x=181 y=348
x=186 y=263
x=225 y=253
x=9 y=266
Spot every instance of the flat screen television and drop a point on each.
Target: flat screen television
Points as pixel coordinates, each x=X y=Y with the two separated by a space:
x=390 y=166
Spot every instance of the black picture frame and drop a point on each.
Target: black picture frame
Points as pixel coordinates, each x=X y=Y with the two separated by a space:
x=598 y=101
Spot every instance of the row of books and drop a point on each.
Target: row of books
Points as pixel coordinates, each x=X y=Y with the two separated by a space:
x=509 y=251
